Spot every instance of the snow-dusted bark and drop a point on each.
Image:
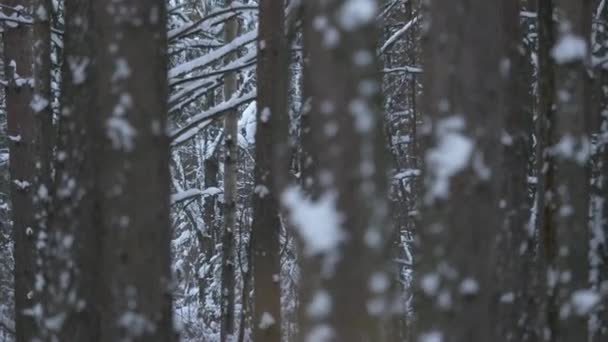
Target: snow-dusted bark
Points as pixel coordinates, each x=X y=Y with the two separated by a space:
x=131 y=153
x=518 y=305
x=461 y=218
x=231 y=135
x=266 y=226
x=343 y=223
x=27 y=71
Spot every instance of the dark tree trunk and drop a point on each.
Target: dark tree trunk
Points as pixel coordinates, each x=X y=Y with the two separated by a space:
x=570 y=149
x=272 y=96
x=230 y=194
x=132 y=164
x=27 y=64
x=72 y=257
x=461 y=219
x=516 y=272
x=347 y=144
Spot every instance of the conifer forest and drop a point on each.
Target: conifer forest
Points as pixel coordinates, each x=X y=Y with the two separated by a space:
x=303 y=170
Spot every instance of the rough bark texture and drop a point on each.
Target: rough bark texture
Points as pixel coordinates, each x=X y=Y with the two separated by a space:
x=545 y=164
x=463 y=98
x=73 y=244
x=599 y=219
x=28 y=98
x=570 y=147
x=516 y=272
x=132 y=164
x=266 y=226
x=348 y=146
x=230 y=193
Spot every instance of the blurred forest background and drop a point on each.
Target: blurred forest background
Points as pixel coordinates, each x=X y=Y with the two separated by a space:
x=304 y=170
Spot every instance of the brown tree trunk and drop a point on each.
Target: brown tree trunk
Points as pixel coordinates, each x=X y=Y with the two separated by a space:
x=272 y=94
x=570 y=149
x=131 y=156
x=27 y=63
x=545 y=164
x=347 y=273
x=461 y=219
x=230 y=193
x=73 y=242
x=516 y=273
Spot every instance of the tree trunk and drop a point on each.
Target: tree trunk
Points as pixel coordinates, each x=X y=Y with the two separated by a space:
x=517 y=302
x=545 y=164
x=131 y=154
x=272 y=76
x=570 y=149
x=461 y=219
x=347 y=272
x=27 y=63
x=73 y=251
x=230 y=193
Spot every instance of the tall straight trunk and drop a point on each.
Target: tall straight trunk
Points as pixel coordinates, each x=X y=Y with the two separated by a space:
x=570 y=148
x=599 y=218
x=461 y=220
x=73 y=242
x=230 y=193
x=131 y=154
x=346 y=273
x=27 y=63
x=545 y=164
x=272 y=76
x=518 y=306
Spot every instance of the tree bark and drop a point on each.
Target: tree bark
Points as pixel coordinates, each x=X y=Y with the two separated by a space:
x=349 y=177
x=461 y=219
x=570 y=148
x=73 y=243
x=132 y=163
x=516 y=273
x=27 y=62
x=230 y=193
x=272 y=76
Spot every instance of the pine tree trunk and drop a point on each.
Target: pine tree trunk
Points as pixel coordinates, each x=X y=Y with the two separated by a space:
x=350 y=273
x=27 y=63
x=461 y=219
x=516 y=273
x=272 y=76
x=230 y=194
x=570 y=148
x=73 y=242
x=132 y=165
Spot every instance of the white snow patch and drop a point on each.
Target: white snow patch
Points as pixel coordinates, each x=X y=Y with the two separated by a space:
x=261 y=190
x=584 y=301
x=122 y=70
x=22 y=185
x=121 y=133
x=430 y=283
x=356 y=13
x=450 y=156
x=364 y=117
x=378 y=282
x=469 y=287
x=136 y=324
x=320 y=306
x=78 y=68
x=431 y=336
x=319 y=223
x=570 y=48
x=266 y=321
x=38 y=103
x=265 y=115
x=320 y=333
